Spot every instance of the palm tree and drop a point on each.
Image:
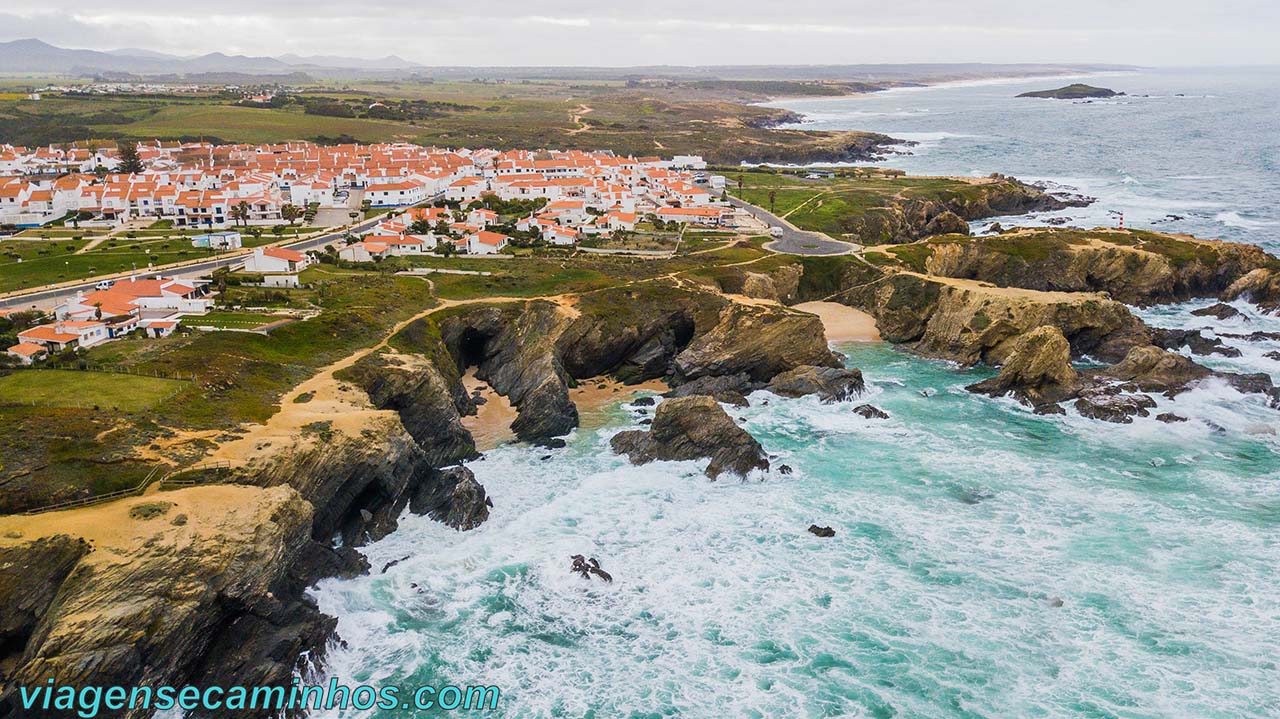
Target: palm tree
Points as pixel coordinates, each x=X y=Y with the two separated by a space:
x=290 y=213
x=240 y=212
x=773 y=195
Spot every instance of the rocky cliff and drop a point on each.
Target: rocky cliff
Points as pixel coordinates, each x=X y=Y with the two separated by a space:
x=1134 y=267
x=970 y=322
x=912 y=216
x=1261 y=287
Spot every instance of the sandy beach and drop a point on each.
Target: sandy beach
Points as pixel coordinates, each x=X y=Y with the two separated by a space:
x=491 y=425
x=843 y=323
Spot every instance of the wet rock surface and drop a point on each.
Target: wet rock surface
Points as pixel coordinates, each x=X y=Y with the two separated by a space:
x=830 y=384
x=689 y=428
x=454 y=497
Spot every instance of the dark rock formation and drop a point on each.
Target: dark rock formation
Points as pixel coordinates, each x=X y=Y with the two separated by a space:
x=831 y=384
x=688 y=428
x=1110 y=404
x=427 y=395
x=870 y=412
x=1193 y=340
x=1220 y=310
x=513 y=348
x=1170 y=418
x=454 y=497
x=821 y=531
x=757 y=341
x=729 y=389
x=30 y=576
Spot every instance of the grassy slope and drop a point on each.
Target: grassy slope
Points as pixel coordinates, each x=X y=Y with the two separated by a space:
x=68 y=388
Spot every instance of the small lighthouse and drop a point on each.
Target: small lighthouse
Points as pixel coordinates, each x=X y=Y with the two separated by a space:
x=1122 y=220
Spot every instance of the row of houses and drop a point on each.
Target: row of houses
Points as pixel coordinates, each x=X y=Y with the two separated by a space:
x=214 y=186
x=153 y=306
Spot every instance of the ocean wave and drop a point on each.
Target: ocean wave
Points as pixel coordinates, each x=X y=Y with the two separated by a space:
x=1235 y=219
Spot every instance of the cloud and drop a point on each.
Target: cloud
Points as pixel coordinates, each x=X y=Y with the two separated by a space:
x=503 y=32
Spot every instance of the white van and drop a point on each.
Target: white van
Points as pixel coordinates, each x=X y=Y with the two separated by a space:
x=775 y=232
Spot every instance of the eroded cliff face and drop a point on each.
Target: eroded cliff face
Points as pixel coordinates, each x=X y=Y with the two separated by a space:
x=533 y=352
x=1134 y=267
x=165 y=576
x=513 y=348
x=969 y=322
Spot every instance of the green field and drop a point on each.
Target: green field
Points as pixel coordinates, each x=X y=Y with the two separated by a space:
x=227 y=319
x=34 y=263
x=71 y=388
x=666 y=119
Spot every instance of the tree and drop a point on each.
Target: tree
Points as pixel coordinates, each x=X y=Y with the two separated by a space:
x=240 y=212
x=291 y=213
x=773 y=195
x=130 y=161
x=740 y=179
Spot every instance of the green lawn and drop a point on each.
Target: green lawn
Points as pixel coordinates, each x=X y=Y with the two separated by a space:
x=33 y=263
x=71 y=388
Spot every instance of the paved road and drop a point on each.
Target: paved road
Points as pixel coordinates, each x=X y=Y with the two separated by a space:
x=796 y=241
x=48 y=298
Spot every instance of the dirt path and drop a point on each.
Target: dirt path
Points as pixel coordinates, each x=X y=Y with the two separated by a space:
x=576 y=118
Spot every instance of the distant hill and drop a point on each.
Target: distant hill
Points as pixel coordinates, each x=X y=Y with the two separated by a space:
x=390 y=62
x=32 y=56
x=1078 y=91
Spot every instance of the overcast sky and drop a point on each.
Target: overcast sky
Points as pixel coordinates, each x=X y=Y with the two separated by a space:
x=581 y=32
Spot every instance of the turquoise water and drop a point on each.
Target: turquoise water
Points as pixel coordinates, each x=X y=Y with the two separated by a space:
x=987 y=563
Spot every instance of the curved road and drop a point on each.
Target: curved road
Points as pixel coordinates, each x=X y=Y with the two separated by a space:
x=56 y=295
x=795 y=241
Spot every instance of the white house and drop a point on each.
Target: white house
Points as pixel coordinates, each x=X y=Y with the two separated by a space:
x=486 y=243
x=276 y=259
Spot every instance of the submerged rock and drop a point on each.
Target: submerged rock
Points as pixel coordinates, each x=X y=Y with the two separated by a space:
x=1193 y=340
x=1220 y=310
x=1170 y=418
x=821 y=531
x=831 y=384
x=870 y=411
x=686 y=428
x=1111 y=405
